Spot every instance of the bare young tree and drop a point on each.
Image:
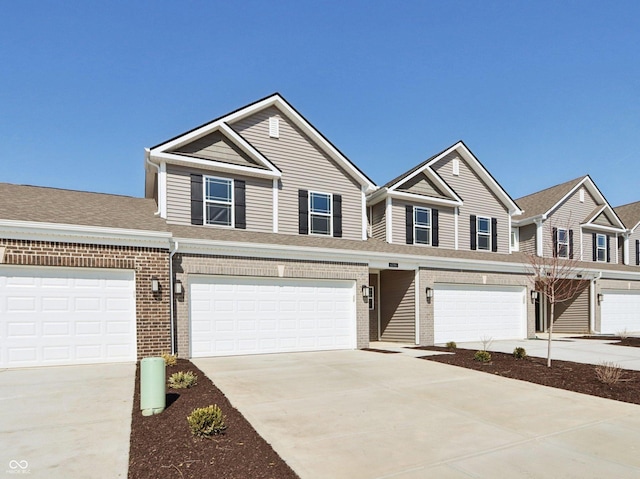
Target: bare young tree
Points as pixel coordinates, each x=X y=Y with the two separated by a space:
x=556 y=276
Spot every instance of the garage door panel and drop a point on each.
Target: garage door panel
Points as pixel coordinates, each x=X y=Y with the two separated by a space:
x=620 y=311
x=55 y=316
x=267 y=315
x=470 y=313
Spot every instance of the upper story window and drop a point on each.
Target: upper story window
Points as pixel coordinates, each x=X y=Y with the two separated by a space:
x=484 y=233
x=601 y=247
x=422 y=225
x=562 y=243
x=320 y=213
x=218 y=201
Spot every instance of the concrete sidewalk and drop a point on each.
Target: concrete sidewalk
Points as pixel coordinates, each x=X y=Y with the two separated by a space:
x=64 y=422
x=359 y=414
x=588 y=351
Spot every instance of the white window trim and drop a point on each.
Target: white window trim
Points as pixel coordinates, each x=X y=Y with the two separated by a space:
x=515 y=234
x=564 y=243
x=372 y=298
x=231 y=204
x=416 y=226
x=330 y=215
x=604 y=249
x=478 y=234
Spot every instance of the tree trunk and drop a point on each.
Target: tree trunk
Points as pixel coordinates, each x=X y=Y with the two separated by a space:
x=553 y=312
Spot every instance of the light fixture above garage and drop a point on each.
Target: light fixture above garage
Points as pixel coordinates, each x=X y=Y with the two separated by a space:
x=155 y=285
x=534 y=295
x=429 y=293
x=600 y=298
x=177 y=287
x=365 y=291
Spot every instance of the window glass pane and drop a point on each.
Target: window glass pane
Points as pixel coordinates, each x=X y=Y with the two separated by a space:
x=601 y=254
x=562 y=236
x=320 y=225
x=320 y=203
x=562 y=251
x=218 y=190
x=602 y=241
x=422 y=236
x=422 y=217
x=484 y=226
x=483 y=242
x=218 y=214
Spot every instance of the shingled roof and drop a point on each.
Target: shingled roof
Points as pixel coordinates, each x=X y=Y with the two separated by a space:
x=53 y=205
x=540 y=202
x=629 y=214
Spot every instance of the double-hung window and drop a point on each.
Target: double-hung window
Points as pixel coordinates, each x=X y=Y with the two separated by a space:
x=218 y=201
x=601 y=247
x=320 y=217
x=422 y=225
x=562 y=247
x=484 y=233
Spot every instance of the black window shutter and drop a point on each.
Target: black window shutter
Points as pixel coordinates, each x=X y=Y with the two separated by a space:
x=555 y=241
x=337 y=216
x=240 y=205
x=494 y=234
x=303 y=212
x=473 y=231
x=196 y=200
x=595 y=247
x=435 y=240
x=409 y=223
x=638 y=252
x=608 y=249
x=570 y=244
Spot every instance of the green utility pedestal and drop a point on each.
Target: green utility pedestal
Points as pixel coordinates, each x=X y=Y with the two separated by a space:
x=153 y=397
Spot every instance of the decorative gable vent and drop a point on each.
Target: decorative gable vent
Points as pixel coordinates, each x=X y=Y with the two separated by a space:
x=581 y=195
x=274 y=127
x=456 y=166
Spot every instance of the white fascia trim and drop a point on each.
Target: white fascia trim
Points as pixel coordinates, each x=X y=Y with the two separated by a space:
x=388 y=216
x=432 y=175
x=275 y=205
x=606 y=229
x=29 y=230
x=365 y=221
x=601 y=210
x=174 y=159
x=162 y=189
x=401 y=195
x=484 y=174
x=377 y=196
x=634 y=228
x=568 y=195
x=528 y=221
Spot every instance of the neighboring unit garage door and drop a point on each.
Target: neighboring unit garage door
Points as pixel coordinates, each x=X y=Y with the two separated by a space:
x=59 y=316
x=231 y=315
x=470 y=313
x=620 y=311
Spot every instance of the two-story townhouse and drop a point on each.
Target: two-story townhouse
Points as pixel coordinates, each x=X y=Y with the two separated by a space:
x=572 y=220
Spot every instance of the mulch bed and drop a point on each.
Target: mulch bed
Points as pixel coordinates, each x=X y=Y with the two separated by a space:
x=633 y=342
x=163 y=446
x=567 y=375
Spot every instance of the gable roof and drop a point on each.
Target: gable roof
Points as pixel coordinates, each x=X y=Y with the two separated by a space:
x=290 y=112
x=629 y=214
x=474 y=164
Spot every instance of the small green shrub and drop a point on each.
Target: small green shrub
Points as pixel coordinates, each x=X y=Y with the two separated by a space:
x=169 y=359
x=206 y=421
x=482 y=356
x=519 y=353
x=182 y=380
x=452 y=345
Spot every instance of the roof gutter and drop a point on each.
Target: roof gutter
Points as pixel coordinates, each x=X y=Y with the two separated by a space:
x=172 y=324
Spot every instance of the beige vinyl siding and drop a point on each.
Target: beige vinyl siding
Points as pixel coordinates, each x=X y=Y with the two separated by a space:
x=632 y=246
x=569 y=215
x=304 y=167
x=378 y=221
x=373 y=313
x=446 y=223
x=621 y=250
x=587 y=241
x=603 y=220
x=528 y=239
x=573 y=316
x=259 y=198
x=397 y=303
x=478 y=200
x=421 y=185
x=217 y=147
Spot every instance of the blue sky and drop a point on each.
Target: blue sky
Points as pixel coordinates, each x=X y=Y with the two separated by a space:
x=541 y=91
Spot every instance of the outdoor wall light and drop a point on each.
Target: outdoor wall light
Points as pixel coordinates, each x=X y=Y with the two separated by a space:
x=365 y=291
x=600 y=298
x=155 y=285
x=534 y=295
x=429 y=293
x=177 y=287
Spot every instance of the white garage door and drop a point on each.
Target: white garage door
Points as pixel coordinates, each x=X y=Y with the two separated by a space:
x=58 y=316
x=266 y=315
x=620 y=311
x=470 y=313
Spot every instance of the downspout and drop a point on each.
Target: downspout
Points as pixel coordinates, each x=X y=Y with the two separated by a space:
x=593 y=301
x=171 y=297
x=147 y=154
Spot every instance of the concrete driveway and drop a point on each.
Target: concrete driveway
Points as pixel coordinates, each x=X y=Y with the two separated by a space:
x=589 y=351
x=62 y=422
x=359 y=414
